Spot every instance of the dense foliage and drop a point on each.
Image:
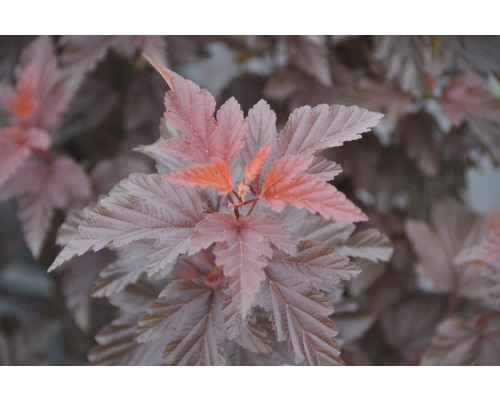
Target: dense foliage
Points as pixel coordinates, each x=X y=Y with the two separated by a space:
x=273 y=217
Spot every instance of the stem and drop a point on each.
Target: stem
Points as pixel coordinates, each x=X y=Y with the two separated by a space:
x=238 y=196
x=235 y=207
x=255 y=199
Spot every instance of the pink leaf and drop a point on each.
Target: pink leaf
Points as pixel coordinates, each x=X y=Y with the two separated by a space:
x=15 y=148
x=488 y=251
x=40 y=189
x=317 y=265
x=261 y=122
x=285 y=182
x=300 y=318
x=310 y=130
x=140 y=207
x=370 y=244
x=51 y=96
x=243 y=250
x=461 y=342
x=187 y=314
x=466 y=94
x=190 y=109
x=382 y=96
x=230 y=130
x=453 y=228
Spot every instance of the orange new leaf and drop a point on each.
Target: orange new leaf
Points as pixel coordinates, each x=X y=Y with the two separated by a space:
x=252 y=169
x=216 y=175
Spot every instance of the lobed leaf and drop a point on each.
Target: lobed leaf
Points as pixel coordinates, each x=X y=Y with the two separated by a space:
x=285 y=182
x=461 y=342
x=140 y=207
x=310 y=130
x=187 y=315
x=261 y=122
x=190 y=109
x=216 y=175
x=370 y=244
x=243 y=249
x=16 y=146
x=300 y=318
x=41 y=188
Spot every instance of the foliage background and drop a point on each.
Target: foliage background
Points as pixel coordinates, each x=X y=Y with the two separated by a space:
x=400 y=173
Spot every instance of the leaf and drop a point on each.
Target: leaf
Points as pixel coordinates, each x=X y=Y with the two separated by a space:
x=461 y=342
x=315 y=228
x=382 y=96
x=253 y=168
x=116 y=346
x=286 y=182
x=190 y=110
x=409 y=325
x=466 y=94
x=165 y=162
x=140 y=207
x=77 y=283
x=188 y=316
x=324 y=169
x=310 y=130
x=261 y=122
x=16 y=146
x=216 y=175
x=310 y=53
x=370 y=244
x=420 y=135
x=81 y=54
x=406 y=58
x=488 y=251
x=454 y=228
x=127 y=269
x=318 y=266
x=243 y=250
x=253 y=337
x=300 y=318
x=22 y=103
x=50 y=95
x=40 y=188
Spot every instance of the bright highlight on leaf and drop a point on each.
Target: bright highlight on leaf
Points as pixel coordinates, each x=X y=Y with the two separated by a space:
x=252 y=169
x=216 y=175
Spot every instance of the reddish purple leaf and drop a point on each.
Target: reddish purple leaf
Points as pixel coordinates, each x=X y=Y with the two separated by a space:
x=261 y=122
x=318 y=266
x=454 y=228
x=40 y=189
x=15 y=147
x=191 y=110
x=488 y=251
x=370 y=244
x=140 y=207
x=243 y=250
x=466 y=94
x=188 y=315
x=300 y=318
x=286 y=182
x=51 y=96
x=310 y=130
x=461 y=342
x=382 y=96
